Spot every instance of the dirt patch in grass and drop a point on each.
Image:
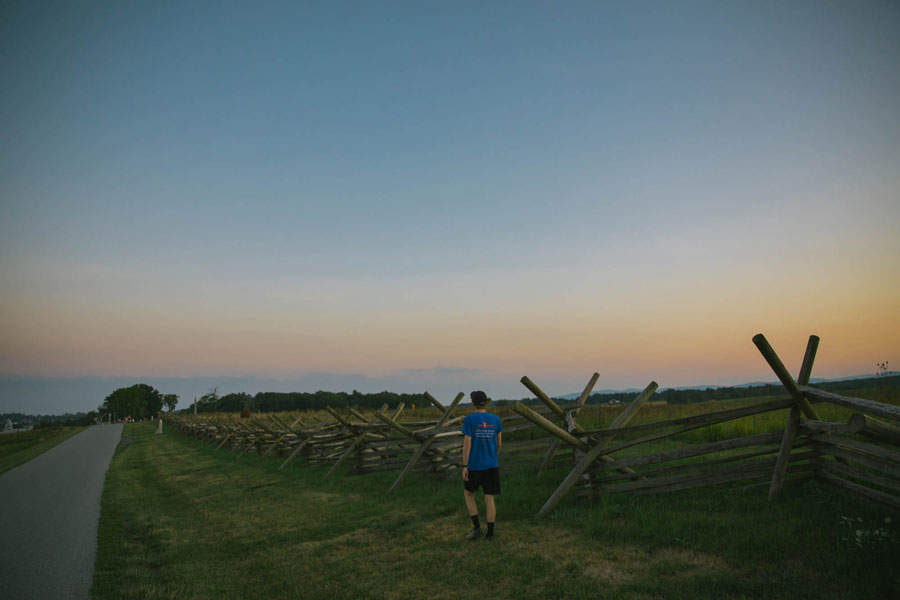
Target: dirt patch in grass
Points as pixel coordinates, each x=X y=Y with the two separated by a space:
x=609 y=565
x=629 y=563
x=615 y=566
x=352 y=538
x=684 y=562
x=444 y=529
x=322 y=497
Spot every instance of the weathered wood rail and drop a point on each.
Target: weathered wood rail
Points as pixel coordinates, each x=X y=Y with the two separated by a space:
x=861 y=456
x=807 y=448
x=376 y=443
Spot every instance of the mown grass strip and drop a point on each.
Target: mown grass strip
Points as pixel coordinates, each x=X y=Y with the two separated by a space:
x=20 y=447
x=183 y=520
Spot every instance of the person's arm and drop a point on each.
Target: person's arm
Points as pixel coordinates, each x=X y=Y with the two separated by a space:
x=467 y=447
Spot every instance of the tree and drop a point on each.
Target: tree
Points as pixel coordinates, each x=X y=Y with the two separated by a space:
x=235 y=402
x=209 y=402
x=886 y=384
x=139 y=401
x=170 y=401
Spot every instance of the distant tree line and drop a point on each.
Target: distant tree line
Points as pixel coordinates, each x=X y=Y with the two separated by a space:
x=142 y=401
x=286 y=401
x=79 y=419
x=678 y=396
x=670 y=396
x=41 y=421
x=675 y=396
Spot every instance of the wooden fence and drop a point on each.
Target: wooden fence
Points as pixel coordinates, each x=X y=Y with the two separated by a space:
x=807 y=448
x=861 y=456
x=377 y=443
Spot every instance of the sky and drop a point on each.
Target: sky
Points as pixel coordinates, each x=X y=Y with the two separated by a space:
x=443 y=196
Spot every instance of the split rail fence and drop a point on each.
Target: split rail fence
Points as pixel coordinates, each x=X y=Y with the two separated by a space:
x=861 y=456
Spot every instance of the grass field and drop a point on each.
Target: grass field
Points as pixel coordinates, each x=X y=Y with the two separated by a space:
x=183 y=520
x=20 y=447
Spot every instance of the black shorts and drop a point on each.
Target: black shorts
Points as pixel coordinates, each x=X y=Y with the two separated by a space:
x=489 y=479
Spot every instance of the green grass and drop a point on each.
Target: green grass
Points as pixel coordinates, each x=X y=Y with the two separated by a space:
x=20 y=447
x=183 y=520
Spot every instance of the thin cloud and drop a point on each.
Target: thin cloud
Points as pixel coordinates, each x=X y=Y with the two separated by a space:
x=442 y=370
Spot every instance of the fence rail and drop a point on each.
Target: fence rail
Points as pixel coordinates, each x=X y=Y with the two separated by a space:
x=861 y=456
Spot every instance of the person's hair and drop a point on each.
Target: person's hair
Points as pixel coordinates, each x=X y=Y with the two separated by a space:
x=479 y=398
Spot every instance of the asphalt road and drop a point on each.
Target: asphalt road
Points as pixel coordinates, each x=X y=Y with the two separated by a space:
x=49 y=510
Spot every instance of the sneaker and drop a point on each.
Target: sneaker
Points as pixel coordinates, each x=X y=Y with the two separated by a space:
x=489 y=538
x=475 y=534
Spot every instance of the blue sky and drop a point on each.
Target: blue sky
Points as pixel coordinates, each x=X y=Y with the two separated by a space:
x=365 y=189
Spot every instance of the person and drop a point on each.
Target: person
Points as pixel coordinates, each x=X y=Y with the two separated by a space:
x=481 y=468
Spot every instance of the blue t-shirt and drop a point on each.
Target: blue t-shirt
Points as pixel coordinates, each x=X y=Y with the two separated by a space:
x=483 y=429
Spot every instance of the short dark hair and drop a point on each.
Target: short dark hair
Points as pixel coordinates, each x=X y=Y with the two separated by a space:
x=479 y=398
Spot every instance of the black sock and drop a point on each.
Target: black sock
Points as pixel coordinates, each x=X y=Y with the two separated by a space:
x=475 y=524
x=490 y=528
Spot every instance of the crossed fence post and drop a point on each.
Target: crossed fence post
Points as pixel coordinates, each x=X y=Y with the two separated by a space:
x=800 y=403
x=392 y=422
x=594 y=450
x=229 y=432
x=782 y=373
x=304 y=441
x=251 y=437
x=569 y=415
x=288 y=430
x=424 y=445
x=210 y=429
x=244 y=433
x=801 y=393
x=357 y=440
x=267 y=430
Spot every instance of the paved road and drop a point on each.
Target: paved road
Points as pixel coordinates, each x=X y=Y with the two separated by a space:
x=49 y=509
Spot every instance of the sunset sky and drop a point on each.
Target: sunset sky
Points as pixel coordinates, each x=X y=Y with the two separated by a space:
x=445 y=195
